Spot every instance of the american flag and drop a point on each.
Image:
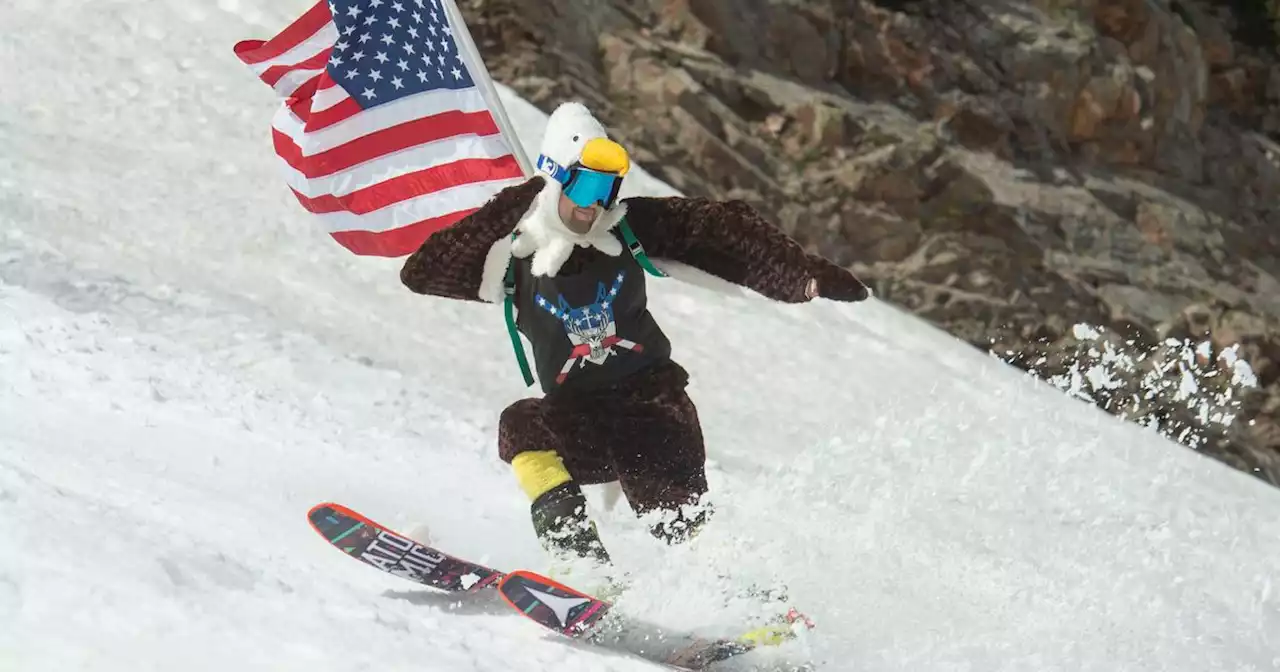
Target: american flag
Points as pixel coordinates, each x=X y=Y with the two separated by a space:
x=390 y=128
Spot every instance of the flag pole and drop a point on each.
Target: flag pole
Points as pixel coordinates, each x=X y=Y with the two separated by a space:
x=475 y=64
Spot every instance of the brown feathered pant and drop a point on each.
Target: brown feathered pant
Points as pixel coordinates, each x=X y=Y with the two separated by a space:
x=643 y=432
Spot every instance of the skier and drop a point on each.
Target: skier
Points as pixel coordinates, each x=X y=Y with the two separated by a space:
x=566 y=251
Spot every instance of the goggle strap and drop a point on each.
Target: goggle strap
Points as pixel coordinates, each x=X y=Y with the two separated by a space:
x=556 y=171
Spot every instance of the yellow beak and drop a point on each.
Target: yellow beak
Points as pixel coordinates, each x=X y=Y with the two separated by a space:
x=606 y=156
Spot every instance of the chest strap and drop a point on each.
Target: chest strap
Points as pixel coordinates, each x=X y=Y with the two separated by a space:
x=509 y=292
x=637 y=250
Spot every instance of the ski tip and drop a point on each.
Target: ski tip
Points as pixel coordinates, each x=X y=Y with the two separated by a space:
x=526 y=577
x=331 y=507
x=321 y=511
x=326 y=516
x=551 y=603
x=324 y=509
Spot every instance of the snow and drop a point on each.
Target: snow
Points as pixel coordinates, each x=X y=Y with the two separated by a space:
x=187 y=365
x=1174 y=373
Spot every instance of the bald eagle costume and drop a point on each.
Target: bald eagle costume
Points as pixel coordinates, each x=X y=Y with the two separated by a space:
x=614 y=406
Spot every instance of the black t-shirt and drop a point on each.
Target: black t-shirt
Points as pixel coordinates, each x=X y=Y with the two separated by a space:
x=590 y=324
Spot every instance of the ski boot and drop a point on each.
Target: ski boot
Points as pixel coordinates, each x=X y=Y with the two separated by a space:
x=681 y=528
x=579 y=558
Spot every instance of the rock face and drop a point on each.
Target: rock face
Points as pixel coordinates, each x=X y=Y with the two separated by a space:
x=1006 y=169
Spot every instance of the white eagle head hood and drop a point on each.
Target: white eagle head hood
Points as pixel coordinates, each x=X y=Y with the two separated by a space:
x=572 y=132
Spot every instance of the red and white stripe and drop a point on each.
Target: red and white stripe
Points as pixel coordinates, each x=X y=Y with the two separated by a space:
x=294 y=56
x=381 y=180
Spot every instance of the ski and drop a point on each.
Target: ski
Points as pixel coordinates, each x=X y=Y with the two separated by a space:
x=581 y=617
x=562 y=609
x=382 y=548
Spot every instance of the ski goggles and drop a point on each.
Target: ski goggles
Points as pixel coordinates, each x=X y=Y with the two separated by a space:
x=597 y=178
x=586 y=187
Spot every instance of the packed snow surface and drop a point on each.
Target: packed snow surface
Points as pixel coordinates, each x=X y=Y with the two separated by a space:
x=187 y=365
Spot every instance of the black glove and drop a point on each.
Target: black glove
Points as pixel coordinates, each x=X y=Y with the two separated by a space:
x=837 y=284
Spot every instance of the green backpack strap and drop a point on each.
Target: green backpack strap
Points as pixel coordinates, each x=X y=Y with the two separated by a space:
x=509 y=303
x=637 y=250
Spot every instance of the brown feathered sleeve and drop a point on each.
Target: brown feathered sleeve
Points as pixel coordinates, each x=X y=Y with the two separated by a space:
x=467 y=260
x=730 y=240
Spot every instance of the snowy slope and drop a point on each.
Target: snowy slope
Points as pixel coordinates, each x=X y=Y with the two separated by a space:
x=186 y=365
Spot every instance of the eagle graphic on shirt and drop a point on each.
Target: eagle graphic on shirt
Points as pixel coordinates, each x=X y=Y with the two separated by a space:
x=591 y=328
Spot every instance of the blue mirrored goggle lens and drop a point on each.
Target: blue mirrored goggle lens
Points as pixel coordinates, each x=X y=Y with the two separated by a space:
x=588 y=187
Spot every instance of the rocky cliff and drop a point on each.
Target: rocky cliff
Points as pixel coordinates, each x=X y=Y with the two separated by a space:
x=1007 y=169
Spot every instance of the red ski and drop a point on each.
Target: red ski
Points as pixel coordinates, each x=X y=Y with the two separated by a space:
x=582 y=617
x=382 y=548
